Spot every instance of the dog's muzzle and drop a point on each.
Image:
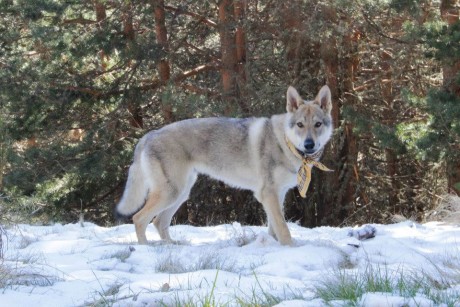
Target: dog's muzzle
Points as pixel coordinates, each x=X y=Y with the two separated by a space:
x=309 y=146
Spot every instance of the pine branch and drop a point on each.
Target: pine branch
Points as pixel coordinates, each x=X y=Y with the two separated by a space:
x=379 y=31
x=156 y=83
x=200 y=18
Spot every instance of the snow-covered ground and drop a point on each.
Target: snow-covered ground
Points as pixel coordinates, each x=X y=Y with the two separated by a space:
x=232 y=265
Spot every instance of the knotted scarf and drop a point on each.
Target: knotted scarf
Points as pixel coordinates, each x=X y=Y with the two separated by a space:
x=304 y=173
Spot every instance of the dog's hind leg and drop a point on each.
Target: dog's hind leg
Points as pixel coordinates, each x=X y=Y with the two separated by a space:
x=163 y=220
x=142 y=218
x=166 y=197
x=157 y=203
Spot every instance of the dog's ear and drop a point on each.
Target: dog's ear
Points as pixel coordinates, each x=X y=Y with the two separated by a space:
x=323 y=99
x=293 y=100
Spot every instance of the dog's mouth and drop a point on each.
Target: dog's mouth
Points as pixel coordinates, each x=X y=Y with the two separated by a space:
x=312 y=153
x=309 y=151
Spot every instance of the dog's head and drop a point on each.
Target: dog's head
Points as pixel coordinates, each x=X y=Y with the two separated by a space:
x=309 y=123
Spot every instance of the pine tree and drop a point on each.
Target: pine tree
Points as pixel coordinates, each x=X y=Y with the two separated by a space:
x=440 y=140
x=77 y=76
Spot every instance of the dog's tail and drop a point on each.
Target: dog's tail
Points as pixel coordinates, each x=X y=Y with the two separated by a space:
x=136 y=189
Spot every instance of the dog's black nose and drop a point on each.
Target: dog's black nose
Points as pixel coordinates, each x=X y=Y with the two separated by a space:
x=309 y=144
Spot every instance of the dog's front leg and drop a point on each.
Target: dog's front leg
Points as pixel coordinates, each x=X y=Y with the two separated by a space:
x=277 y=225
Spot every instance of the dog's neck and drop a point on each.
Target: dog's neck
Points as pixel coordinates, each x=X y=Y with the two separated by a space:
x=304 y=172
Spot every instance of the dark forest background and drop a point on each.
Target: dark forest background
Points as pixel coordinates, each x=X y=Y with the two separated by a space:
x=82 y=81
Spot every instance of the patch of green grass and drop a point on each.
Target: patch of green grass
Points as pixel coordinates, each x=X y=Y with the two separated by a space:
x=258 y=295
x=196 y=299
x=350 y=285
x=257 y=298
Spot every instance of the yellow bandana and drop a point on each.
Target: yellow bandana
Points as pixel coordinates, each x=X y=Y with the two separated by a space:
x=304 y=173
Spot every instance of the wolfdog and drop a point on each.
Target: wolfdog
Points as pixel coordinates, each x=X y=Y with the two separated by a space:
x=265 y=155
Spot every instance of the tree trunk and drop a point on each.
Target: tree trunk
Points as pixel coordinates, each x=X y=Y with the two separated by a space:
x=100 y=11
x=164 y=69
x=337 y=190
x=291 y=15
x=386 y=85
x=350 y=66
x=450 y=14
x=134 y=108
x=329 y=190
x=228 y=52
x=162 y=39
x=240 y=8
x=100 y=17
x=128 y=28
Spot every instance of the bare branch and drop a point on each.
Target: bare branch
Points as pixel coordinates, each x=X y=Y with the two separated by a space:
x=79 y=20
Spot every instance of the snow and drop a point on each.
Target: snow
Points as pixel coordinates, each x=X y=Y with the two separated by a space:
x=85 y=264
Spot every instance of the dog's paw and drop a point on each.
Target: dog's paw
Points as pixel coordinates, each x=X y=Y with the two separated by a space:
x=363 y=233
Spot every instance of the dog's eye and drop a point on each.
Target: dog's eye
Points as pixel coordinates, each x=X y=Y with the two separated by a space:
x=300 y=125
x=318 y=124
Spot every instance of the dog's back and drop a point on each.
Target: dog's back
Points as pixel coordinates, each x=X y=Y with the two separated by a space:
x=227 y=149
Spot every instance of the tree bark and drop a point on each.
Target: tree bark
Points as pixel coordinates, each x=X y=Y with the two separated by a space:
x=162 y=39
x=128 y=28
x=386 y=85
x=134 y=108
x=329 y=190
x=240 y=8
x=100 y=11
x=337 y=190
x=228 y=52
x=350 y=147
x=291 y=15
x=164 y=69
x=100 y=17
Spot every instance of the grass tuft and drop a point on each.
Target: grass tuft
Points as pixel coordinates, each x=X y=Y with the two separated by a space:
x=122 y=254
x=174 y=264
x=11 y=277
x=351 y=285
x=196 y=299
